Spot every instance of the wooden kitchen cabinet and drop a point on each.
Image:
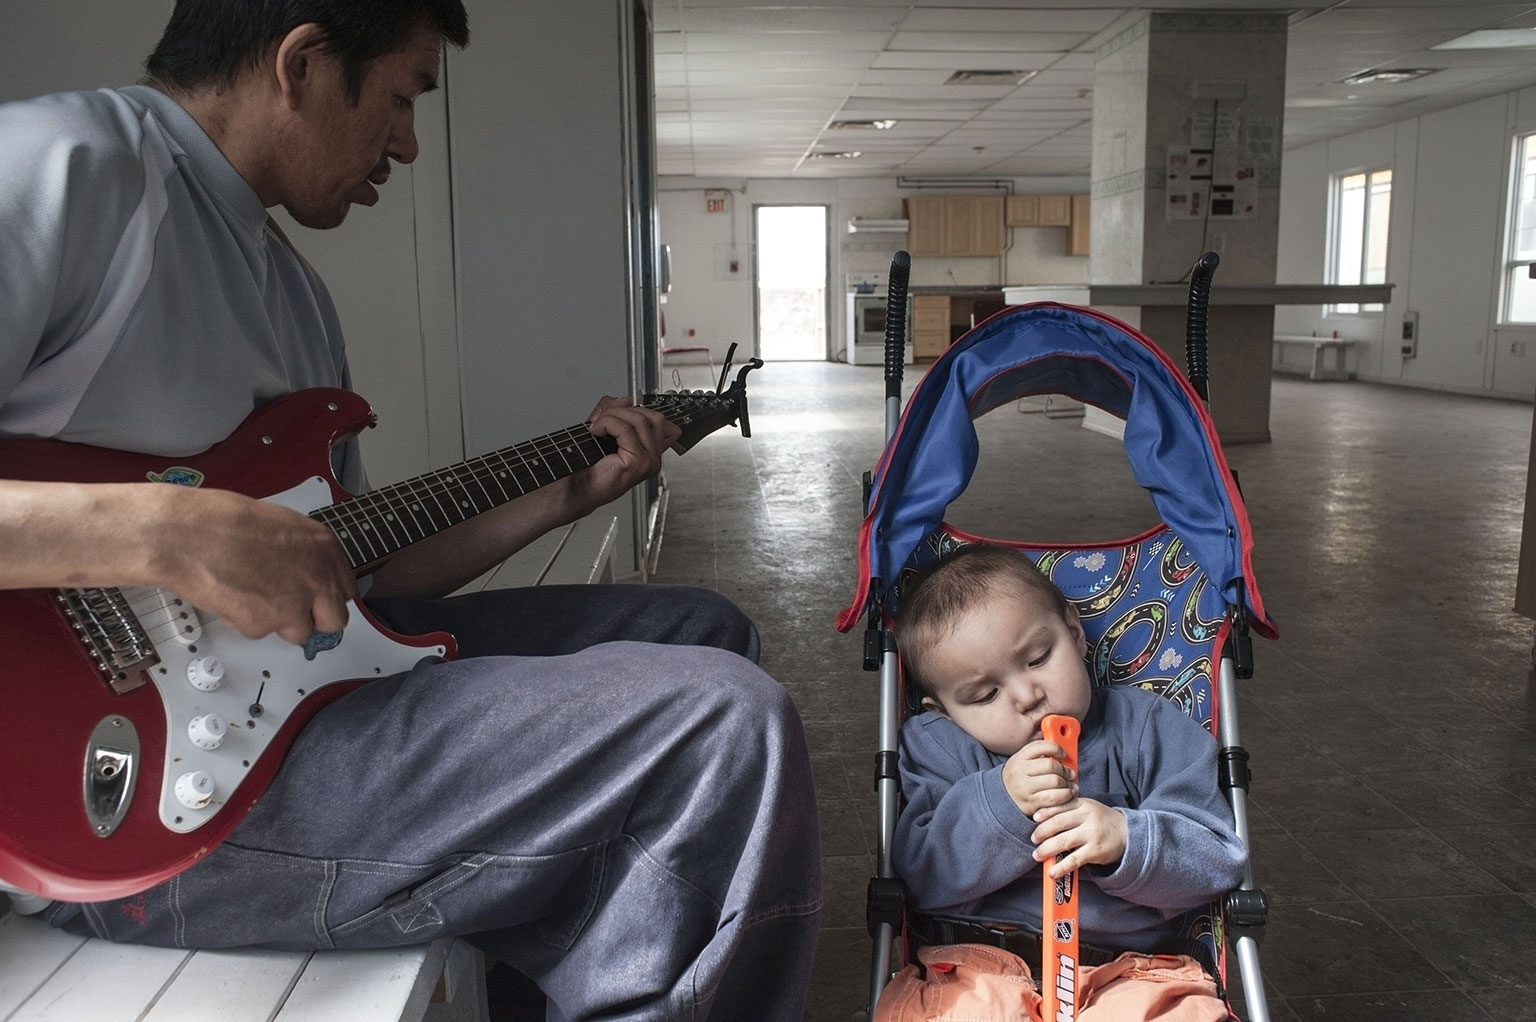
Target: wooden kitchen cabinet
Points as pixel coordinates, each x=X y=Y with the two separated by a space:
x=955 y=225
x=1077 y=230
x=930 y=325
x=973 y=225
x=1040 y=210
x=1021 y=211
x=1055 y=211
x=925 y=225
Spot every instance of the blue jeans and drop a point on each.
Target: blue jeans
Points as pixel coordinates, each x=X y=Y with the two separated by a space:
x=631 y=824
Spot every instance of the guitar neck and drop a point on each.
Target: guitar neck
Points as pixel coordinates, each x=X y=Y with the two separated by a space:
x=374 y=525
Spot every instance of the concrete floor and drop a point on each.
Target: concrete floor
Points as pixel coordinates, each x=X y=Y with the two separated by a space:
x=1393 y=726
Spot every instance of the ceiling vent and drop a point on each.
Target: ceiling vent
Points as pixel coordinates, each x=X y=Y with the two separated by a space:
x=989 y=77
x=1388 y=75
x=881 y=125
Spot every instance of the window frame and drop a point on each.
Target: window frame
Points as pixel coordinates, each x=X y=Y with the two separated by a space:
x=1512 y=264
x=1336 y=225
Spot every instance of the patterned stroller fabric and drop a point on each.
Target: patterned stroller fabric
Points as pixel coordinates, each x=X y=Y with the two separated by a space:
x=1147 y=610
x=1047 y=348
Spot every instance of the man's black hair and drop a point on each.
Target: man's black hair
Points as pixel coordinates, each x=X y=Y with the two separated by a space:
x=208 y=43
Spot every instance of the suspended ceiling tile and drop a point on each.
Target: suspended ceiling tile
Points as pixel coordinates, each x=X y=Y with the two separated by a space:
x=778 y=42
x=1008 y=42
x=998 y=19
x=952 y=61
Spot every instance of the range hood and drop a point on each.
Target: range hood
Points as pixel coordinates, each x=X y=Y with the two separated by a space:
x=860 y=224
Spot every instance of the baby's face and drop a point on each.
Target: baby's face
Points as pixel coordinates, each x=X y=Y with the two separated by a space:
x=1005 y=666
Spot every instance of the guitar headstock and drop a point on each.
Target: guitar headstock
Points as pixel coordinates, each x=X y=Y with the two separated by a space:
x=699 y=413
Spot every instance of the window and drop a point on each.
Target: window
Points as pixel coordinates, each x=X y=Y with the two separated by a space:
x=1519 y=287
x=1361 y=206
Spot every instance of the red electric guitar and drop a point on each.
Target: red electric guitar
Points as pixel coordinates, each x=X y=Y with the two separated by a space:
x=137 y=731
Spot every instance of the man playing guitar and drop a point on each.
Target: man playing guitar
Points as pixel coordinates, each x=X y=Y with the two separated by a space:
x=597 y=761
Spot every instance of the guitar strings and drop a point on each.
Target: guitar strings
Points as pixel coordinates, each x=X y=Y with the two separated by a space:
x=455 y=485
x=496 y=468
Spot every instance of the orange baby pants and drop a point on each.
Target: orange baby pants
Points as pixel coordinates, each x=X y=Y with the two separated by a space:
x=977 y=983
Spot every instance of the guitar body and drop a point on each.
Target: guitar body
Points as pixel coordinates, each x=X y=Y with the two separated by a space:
x=90 y=769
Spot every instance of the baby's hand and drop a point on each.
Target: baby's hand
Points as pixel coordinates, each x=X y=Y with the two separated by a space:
x=1036 y=778
x=1085 y=832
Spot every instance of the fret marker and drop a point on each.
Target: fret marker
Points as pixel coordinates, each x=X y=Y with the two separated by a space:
x=344 y=534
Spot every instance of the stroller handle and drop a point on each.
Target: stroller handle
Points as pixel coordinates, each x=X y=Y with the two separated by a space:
x=896 y=322
x=1196 y=351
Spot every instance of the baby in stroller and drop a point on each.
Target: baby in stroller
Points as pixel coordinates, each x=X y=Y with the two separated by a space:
x=992 y=647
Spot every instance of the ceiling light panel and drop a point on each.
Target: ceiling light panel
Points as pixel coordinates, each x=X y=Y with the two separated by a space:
x=1387 y=76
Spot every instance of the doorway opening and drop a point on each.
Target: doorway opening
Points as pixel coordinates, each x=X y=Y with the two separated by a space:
x=791 y=282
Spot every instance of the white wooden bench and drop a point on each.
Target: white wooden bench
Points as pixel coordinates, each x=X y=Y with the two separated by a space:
x=47 y=975
x=1320 y=346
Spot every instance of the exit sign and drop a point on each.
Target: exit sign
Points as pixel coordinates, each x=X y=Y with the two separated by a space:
x=712 y=205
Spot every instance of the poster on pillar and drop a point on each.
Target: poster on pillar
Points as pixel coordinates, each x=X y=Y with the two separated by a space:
x=1213 y=177
x=1210 y=184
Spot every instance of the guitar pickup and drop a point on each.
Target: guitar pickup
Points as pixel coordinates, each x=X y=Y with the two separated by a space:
x=180 y=618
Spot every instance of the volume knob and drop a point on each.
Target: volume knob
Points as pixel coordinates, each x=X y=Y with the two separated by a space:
x=194 y=789
x=206 y=673
x=207 y=730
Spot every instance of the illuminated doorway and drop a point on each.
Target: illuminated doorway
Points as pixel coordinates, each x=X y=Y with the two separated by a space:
x=791 y=282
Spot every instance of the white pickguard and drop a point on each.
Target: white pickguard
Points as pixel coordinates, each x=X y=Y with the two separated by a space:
x=268 y=670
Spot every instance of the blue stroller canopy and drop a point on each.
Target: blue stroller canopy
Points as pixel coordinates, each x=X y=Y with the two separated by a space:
x=1049 y=348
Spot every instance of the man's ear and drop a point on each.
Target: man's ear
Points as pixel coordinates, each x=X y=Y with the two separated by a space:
x=297 y=61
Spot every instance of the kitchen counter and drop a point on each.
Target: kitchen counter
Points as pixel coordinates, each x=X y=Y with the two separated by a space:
x=955 y=289
x=1178 y=294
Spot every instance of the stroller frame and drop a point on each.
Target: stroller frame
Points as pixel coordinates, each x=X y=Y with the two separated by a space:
x=1244 y=910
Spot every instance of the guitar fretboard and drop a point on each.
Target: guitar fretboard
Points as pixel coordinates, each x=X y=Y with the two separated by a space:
x=374 y=525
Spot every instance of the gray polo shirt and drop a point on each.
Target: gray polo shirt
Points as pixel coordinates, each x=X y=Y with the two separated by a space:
x=147 y=302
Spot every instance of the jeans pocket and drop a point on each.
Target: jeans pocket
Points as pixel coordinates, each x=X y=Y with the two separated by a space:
x=383 y=903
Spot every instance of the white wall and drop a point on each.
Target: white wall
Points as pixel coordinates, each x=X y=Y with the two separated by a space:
x=718 y=305
x=1450 y=182
x=542 y=221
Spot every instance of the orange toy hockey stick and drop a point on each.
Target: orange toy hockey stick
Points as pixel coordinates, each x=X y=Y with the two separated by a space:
x=1058 y=921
